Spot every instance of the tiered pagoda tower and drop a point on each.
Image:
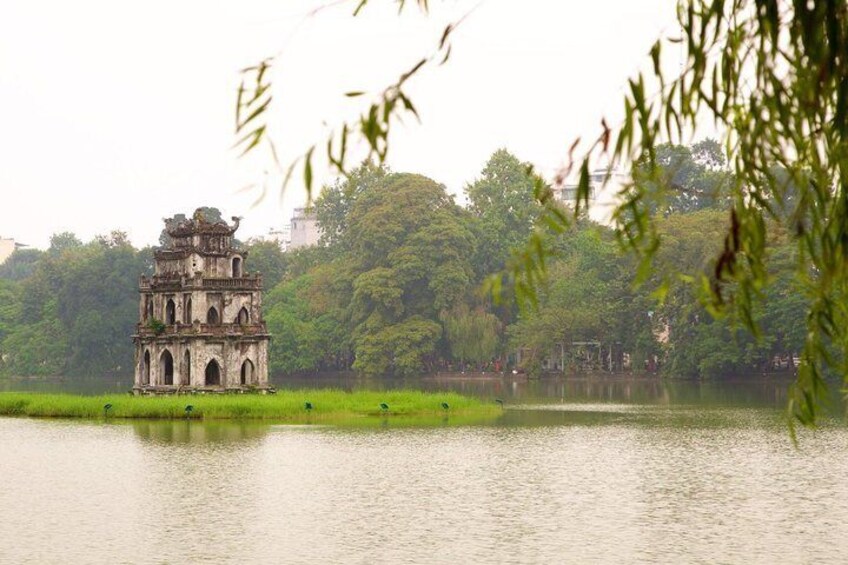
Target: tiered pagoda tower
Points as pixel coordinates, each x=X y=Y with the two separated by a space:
x=200 y=316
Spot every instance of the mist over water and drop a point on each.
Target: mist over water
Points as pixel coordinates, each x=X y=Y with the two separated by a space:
x=587 y=470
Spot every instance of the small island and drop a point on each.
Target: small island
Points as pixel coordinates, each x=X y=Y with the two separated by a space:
x=287 y=406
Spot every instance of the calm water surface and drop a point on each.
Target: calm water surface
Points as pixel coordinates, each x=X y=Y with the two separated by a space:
x=584 y=471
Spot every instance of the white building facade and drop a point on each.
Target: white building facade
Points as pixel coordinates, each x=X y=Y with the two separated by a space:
x=304 y=229
x=7 y=247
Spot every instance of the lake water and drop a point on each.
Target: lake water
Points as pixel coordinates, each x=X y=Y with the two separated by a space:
x=596 y=470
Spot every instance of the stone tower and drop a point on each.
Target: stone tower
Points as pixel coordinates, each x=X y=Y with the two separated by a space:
x=200 y=316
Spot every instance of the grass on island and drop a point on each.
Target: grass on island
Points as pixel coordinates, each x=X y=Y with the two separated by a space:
x=326 y=406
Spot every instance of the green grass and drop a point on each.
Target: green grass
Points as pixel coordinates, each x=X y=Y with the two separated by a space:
x=329 y=406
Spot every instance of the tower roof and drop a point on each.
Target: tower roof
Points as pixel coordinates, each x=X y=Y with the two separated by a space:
x=199 y=225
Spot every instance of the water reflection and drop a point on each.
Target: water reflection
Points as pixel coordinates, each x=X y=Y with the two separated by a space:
x=573 y=482
x=197 y=432
x=518 y=389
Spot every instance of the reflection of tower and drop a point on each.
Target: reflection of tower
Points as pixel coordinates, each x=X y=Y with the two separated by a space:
x=200 y=314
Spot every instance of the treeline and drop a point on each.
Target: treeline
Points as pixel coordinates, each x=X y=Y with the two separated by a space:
x=395 y=287
x=71 y=309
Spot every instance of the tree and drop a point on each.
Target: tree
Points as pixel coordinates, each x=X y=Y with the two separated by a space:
x=267 y=258
x=409 y=249
x=74 y=313
x=335 y=202
x=772 y=76
x=59 y=242
x=587 y=296
x=10 y=311
x=503 y=199
x=308 y=335
x=694 y=177
x=20 y=264
x=473 y=335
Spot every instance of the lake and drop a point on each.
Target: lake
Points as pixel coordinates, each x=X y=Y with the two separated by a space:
x=606 y=470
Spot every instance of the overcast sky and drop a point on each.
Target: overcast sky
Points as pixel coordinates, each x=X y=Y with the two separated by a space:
x=114 y=115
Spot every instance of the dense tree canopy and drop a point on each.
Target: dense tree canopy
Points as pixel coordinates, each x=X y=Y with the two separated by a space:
x=397 y=290
x=503 y=200
x=75 y=312
x=773 y=78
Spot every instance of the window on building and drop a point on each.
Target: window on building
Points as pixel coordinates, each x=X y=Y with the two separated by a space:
x=213 y=374
x=166 y=368
x=170 y=312
x=186 y=377
x=247 y=372
x=145 y=369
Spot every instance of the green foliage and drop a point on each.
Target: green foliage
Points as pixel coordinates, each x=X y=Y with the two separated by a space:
x=773 y=77
x=307 y=337
x=10 y=312
x=37 y=349
x=503 y=199
x=75 y=312
x=267 y=258
x=60 y=242
x=397 y=348
x=157 y=326
x=20 y=264
x=587 y=296
x=689 y=178
x=335 y=202
x=472 y=335
x=409 y=260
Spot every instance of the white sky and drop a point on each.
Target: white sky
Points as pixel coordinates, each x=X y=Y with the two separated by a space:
x=114 y=115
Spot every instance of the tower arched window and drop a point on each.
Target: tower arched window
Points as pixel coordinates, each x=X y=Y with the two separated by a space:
x=247 y=372
x=186 y=376
x=170 y=312
x=213 y=374
x=236 y=267
x=166 y=368
x=212 y=316
x=243 y=316
x=145 y=370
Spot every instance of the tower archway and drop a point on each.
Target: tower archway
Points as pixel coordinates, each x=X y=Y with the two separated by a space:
x=247 y=372
x=213 y=374
x=166 y=367
x=243 y=316
x=186 y=376
x=145 y=369
x=236 y=267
